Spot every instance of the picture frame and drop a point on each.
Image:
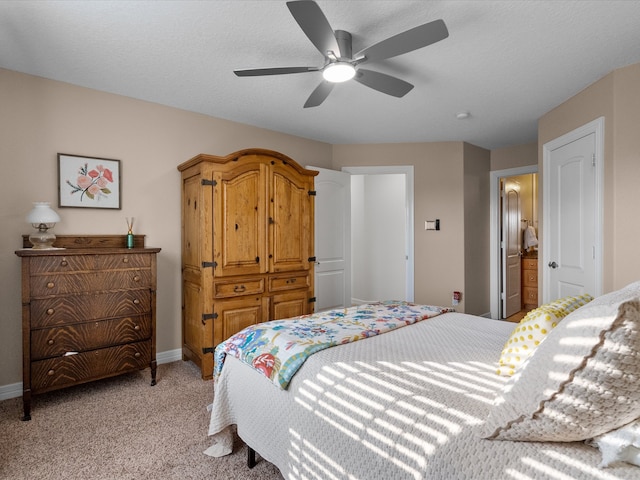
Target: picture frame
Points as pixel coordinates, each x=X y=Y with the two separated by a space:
x=89 y=182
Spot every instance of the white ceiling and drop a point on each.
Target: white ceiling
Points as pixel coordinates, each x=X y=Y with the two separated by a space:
x=506 y=62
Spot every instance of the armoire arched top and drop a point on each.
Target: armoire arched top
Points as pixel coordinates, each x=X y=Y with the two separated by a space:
x=249 y=154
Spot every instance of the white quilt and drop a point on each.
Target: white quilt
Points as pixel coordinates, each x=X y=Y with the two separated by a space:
x=404 y=405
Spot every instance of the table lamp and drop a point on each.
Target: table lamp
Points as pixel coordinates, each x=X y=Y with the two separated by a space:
x=42 y=218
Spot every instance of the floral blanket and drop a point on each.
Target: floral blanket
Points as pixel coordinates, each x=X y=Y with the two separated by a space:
x=278 y=348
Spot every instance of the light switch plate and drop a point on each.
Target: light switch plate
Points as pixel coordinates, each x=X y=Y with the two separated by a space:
x=430 y=225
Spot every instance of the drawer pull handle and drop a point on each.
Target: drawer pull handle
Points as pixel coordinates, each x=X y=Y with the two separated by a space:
x=239 y=288
x=125 y=260
x=136 y=302
x=50 y=311
x=291 y=280
x=50 y=342
x=51 y=372
x=137 y=327
x=137 y=355
x=50 y=285
x=64 y=263
x=136 y=278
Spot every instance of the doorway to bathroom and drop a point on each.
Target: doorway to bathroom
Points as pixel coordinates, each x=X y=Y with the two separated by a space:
x=514 y=242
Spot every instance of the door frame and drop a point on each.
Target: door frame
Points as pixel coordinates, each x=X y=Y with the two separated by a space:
x=495 y=225
x=594 y=127
x=407 y=170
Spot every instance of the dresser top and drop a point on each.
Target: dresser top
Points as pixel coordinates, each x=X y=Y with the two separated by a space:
x=33 y=252
x=87 y=244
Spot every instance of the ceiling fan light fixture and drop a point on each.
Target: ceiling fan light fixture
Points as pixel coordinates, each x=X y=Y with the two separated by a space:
x=338 y=72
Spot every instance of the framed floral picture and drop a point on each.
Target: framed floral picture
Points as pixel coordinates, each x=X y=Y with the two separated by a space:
x=88 y=182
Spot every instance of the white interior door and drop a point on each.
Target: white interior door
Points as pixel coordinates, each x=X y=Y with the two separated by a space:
x=511 y=252
x=332 y=239
x=571 y=251
x=572 y=244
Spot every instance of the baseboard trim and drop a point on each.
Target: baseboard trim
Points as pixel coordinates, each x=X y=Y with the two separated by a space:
x=169 y=356
x=14 y=390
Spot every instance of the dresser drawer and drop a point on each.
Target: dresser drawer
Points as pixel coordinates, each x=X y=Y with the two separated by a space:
x=61 y=264
x=530 y=278
x=60 y=284
x=124 y=279
x=134 y=260
x=48 y=312
x=237 y=288
x=530 y=264
x=86 y=263
x=72 y=369
x=291 y=281
x=530 y=296
x=56 y=341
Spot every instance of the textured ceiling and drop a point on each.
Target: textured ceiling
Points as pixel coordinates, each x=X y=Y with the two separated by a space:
x=506 y=62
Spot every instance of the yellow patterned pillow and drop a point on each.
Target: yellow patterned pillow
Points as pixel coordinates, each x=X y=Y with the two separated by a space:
x=533 y=328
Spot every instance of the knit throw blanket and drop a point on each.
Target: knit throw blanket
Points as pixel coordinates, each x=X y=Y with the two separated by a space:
x=277 y=349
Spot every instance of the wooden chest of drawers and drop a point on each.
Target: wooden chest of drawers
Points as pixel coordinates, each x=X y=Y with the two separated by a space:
x=529 y=283
x=87 y=314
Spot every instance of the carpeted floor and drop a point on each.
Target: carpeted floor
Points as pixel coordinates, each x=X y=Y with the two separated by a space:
x=121 y=428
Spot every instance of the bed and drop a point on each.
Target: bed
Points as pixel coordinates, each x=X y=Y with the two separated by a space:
x=411 y=403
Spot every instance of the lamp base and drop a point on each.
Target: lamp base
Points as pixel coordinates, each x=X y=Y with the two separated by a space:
x=42 y=240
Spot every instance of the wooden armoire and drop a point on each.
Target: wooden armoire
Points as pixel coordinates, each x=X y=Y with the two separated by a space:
x=247 y=246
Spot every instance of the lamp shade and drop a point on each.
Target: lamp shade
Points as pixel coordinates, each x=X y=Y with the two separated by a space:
x=42 y=213
x=42 y=218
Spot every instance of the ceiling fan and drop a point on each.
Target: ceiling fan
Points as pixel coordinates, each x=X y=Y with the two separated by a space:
x=340 y=64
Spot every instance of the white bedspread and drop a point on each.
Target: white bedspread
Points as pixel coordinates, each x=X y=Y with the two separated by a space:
x=404 y=405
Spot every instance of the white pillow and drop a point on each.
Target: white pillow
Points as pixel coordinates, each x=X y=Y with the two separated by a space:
x=619 y=445
x=582 y=381
x=533 y=329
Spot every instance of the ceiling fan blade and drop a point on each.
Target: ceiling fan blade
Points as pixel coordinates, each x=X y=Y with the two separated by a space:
x=406 y=42
x=256 y=72
x=315 y=25
x=319 y=95
x=383 y=83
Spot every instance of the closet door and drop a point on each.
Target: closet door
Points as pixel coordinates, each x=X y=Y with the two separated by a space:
x=240 y=213
x=290 y=219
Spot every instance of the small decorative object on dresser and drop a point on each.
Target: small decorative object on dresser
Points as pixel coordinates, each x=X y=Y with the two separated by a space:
x=247 y=246
x=88 y=311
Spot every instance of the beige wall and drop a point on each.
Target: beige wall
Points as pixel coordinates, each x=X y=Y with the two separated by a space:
x=616 y=97
x=439 y=176
x=41 y=118
x=476 y=229
x=514 y=156
x=626 y=177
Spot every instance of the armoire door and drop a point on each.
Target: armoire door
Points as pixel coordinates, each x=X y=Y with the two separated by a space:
x=290 y=220
x=236 y=314
x=240 y=212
